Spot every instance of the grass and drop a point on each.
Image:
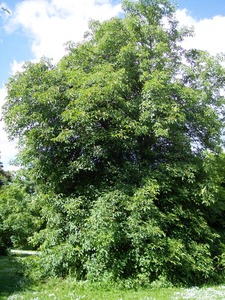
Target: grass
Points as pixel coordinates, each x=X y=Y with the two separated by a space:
x=14 y=287
x=69 y=289
x=10 y=278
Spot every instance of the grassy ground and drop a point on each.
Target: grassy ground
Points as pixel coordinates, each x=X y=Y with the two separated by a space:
x=10 y=278
x=13 y=287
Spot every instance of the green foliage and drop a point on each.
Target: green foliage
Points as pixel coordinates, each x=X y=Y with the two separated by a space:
x=123 y=140
x=19 y=213
x=5 y=176
x=4 y=239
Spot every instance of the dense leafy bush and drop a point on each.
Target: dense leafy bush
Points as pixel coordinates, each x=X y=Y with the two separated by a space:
x=162 y=229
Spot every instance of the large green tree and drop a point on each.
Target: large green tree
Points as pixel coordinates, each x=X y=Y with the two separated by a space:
x=121 y=137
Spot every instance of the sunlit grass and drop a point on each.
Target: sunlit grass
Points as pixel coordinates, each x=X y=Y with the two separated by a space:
x=69 y=289
x=13 y=287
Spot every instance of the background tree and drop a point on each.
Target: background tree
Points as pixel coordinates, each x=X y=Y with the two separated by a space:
x=4 y=240
x=19 y=214
x=120 y=137
x=4 y=175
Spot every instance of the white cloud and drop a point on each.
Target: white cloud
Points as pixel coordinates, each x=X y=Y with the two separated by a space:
x=208 y=33
x=16 y=66
x=184 y=18
x=50 y=24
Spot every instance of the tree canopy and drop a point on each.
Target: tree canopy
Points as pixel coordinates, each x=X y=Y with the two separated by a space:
x=123 y=138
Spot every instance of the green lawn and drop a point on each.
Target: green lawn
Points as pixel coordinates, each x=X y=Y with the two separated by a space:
x=13 y=287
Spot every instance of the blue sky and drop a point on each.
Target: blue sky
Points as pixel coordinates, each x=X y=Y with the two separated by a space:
x=41 y=27
x=200 y=9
